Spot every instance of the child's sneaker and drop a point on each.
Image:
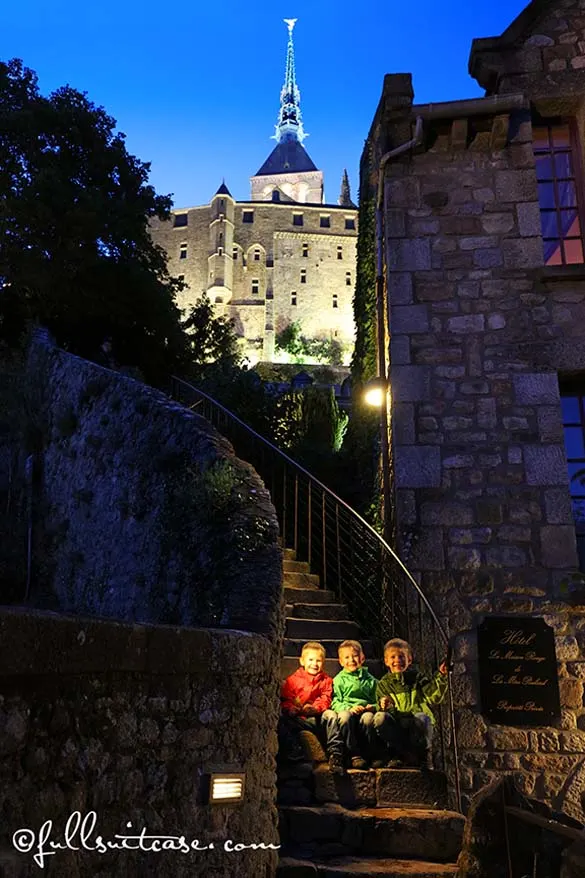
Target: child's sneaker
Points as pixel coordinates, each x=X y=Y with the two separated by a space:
x=379 y=763
x=359 y=763
x=336 y=764
x=395 y=763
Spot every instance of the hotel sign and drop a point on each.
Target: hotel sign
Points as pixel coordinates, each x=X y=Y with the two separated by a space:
x=518 y=674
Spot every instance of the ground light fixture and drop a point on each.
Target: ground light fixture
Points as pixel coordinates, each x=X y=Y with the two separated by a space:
x=375 y=392
x=226 y=788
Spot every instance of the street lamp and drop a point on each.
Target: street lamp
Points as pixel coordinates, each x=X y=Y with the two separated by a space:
x=375 y=392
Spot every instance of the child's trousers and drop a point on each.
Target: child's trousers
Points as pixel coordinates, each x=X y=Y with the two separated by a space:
x=405 y=732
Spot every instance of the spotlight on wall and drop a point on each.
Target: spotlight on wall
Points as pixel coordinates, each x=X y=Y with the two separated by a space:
x=375 y=392
x=226 y=788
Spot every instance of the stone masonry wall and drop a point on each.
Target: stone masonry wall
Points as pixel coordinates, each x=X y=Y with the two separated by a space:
x=128 y=722
x=278 y=271
x=480 y=467
x=142 y=511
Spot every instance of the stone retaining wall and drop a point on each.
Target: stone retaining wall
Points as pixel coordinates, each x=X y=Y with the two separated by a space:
x=128 y=721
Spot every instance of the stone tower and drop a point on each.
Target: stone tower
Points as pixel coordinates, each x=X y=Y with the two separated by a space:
x=288 y=174
x=221 y=244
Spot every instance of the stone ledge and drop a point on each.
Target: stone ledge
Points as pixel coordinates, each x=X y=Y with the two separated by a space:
x=35 y=642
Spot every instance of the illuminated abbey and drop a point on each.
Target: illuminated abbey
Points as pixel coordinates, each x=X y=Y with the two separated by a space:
x=283 y=257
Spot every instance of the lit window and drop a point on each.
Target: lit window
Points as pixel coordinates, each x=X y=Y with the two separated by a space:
x=574 y=430
x=305 y=249
x=255 y=286
x=557 y=193
x=335 y=304
x=303 y=276
x=349 y=222
x=340 y=252
x=183 y=251
x=293 y=298
x=180 y=220
x=248 y=216
x=325 y=222
x=348 y=278
x=256 y=256
x=297 y=219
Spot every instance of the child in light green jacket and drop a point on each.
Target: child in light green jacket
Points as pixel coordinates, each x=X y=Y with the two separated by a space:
x=405 y=697
x=354 y=701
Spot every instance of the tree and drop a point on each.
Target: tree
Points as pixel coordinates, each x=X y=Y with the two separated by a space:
x=211 y=339
x=75 y=251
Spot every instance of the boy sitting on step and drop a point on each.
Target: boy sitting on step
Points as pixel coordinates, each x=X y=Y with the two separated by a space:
x=354 y=701
x=305 y=701
x=405 y=697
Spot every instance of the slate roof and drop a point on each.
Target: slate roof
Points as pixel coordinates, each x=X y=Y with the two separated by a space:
x=287 y=157
x=223 y=190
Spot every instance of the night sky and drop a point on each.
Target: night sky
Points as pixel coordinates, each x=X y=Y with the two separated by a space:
x=195 y=85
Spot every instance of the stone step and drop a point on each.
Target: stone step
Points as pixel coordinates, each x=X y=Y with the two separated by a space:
x=409 y=788
x=289 y=554
x=346 y=867
x=293 y=645
x=332 y=830
x=318 y=611
x=298 y=594
x=313 y=629
x=305 y=580
x=290 y=664
x=291 y=566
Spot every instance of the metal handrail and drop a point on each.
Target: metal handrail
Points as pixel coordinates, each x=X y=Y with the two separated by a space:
x=348 y=554
x=330 y=493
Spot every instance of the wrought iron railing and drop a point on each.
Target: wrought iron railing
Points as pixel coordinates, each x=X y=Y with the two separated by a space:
x=542 y=838
x=349 y=556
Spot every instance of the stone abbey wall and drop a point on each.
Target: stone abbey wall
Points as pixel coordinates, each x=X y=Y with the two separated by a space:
x=323 y=300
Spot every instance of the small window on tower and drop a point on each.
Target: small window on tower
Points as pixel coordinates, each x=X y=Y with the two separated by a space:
x=297 y=219
x=293 y=298
x=235 y=253
x=340 y=252
x=180 y=220
x=256 y=256
x=247 y=216
x=220 y=251
x=255 y=286
x=221 y=204
x=305 y=250
x=303 y=276
x=183 y=251
x=335 y=304
x=325 y=222
x=348 y=278
x=275 y=195
x=349 y=222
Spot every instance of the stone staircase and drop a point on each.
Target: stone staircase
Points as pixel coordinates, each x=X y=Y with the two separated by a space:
x=367 y=823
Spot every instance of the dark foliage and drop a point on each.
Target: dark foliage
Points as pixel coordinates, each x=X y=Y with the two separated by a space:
x=75 y=252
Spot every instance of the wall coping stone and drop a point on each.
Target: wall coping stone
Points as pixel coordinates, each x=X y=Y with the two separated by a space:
x=39 y=642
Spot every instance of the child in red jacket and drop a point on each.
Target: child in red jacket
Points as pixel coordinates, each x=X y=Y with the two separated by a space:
x=305 y=700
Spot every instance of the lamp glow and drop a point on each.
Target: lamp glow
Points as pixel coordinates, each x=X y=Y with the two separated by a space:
x=374 y=396
x=226 y=788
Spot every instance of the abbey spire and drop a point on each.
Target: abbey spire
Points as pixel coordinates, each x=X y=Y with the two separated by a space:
x=290 y=123
x=289 y=174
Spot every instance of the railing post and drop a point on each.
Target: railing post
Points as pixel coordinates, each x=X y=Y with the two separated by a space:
x=324 y=539
x=338 y=550
x=296 y=533
x=310 y=525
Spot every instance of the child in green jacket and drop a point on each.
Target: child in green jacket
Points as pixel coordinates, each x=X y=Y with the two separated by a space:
x=354 y=701
x=405 y=719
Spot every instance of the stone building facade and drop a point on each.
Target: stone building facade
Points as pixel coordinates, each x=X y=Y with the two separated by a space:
x=485 y=285
x=283 y=257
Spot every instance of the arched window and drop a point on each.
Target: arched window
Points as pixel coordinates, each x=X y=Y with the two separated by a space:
x=275 y=195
